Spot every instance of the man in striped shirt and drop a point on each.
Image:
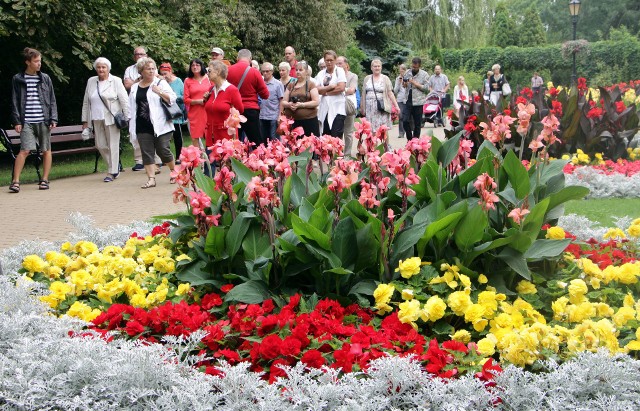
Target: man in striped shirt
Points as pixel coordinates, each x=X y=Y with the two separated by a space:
x=33 y=113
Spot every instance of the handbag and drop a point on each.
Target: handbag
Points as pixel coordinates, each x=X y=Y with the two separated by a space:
x=171 y=112
x=350 y=107
x=119 y=119
x=506 y=89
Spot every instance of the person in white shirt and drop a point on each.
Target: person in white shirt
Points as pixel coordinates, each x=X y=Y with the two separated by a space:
x=460 y=95
x=351 y=107
x=331 y=84
x=536 y=82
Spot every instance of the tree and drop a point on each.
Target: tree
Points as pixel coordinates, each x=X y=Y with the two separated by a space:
x=436 y=55
x=309 y=26
x=531 y=30
x=473 y=18
x=503 y=28
x=373 y=21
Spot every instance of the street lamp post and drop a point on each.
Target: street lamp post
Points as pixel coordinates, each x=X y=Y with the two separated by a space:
x=574 y=10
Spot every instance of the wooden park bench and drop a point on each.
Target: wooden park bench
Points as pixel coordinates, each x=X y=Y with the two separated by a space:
x=59 y=135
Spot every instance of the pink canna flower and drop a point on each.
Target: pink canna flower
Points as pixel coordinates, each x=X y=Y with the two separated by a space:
x=190 y=156
x=224 y=150
x=233 y=121
x=536 y=144
x=518 y=214
x=484 y=182
x=224 y=182
x=198 y=202
x=368 y=195
x=420 y=147
x=488 y=200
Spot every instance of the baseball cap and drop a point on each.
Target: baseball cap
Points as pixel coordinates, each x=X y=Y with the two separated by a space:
x=217 y=50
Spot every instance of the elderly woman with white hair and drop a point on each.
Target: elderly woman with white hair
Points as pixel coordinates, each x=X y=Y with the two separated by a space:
x=105 y=97
x=496 y=82
x=284 y=69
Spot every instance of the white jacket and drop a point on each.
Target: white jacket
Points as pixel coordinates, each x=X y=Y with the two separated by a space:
x=160 y=123
x=115 y=96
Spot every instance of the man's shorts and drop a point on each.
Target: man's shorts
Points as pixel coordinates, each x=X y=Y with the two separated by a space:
x=35 y=132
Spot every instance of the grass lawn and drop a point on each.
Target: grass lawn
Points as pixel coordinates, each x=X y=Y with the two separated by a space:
x=605 y=210
x=73 y=165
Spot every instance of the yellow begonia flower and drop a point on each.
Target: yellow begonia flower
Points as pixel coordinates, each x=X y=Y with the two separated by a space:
x=183 y=289
x=409 y=267
x=482 y=279
x=623 y=316
x=409 y=312
x=138 y=300
x=555 y=233
x=407 y=294
x=462 y=336
x=614 y=233
x=84 y=248
x=57 y=259
x=34 y=264
x=383 y=308
x=183 y=257
x=487 y=345
x=459 y=301
x=434 y=309
x=383 y=293
x=83 y=311
x=526 y=287
x=634 y=230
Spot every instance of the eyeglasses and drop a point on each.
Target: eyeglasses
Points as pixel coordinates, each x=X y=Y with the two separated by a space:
x=139 y=54
x=266 y=71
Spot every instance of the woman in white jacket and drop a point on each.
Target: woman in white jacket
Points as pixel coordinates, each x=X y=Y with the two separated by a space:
x=105 y=97
x=148 y=123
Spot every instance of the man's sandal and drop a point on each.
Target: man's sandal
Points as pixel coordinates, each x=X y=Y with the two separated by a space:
x=150 y=183
x=15 y=187
x=43 y=185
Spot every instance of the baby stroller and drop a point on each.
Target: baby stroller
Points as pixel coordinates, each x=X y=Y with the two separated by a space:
x=432 y=109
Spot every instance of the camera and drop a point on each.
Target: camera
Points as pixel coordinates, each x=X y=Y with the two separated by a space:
x=294 y=99
x=407 y=76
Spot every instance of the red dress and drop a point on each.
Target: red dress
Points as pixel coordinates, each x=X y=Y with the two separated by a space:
x=218 y=108
x=194 y=90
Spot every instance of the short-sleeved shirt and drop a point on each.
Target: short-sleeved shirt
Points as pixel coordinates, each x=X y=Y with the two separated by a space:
x=33 y=112
x=270 y=108
x=302 y=94
x=330 y=106
x=438 y=82
x=536 y=82
x=131 y=73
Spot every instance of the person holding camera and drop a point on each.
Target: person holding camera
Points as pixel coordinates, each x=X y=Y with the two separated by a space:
x=301 y=101
x=416 y=83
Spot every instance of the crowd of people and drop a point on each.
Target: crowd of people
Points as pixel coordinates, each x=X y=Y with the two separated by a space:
x=142 y=102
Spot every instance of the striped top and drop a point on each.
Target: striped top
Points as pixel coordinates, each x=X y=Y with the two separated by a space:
x=33 y=108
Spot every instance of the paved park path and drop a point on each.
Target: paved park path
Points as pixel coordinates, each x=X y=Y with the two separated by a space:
x=40 y=214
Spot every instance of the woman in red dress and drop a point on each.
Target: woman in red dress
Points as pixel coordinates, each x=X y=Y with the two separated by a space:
x=222 y=98
x=195 y=86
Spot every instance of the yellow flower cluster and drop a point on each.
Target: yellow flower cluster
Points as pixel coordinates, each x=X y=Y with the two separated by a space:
x=555 y=233
x=581 y=158
x=630 y=97
x=626 y=273
x=85 y=281
x=452 y=277
x=634 y=153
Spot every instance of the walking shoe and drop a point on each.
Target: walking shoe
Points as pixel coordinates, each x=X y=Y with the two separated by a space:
x=138 y=167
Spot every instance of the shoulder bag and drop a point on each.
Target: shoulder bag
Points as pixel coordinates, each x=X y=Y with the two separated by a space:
x=379 y=104
x=171 y=111
x=118 y=118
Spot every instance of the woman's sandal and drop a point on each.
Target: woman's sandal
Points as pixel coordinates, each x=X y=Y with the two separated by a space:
x=150 y=184
x=43 y=185
x=15 y=187
x=172 y=180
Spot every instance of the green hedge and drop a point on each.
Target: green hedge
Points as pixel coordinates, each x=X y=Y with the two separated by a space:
x=612 y=61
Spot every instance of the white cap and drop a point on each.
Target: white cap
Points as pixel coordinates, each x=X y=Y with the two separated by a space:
x=217 y=50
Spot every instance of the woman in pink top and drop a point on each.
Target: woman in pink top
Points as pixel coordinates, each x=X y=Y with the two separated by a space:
x=195 y=86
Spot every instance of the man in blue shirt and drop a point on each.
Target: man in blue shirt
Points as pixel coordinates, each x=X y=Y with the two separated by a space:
x=270 y=108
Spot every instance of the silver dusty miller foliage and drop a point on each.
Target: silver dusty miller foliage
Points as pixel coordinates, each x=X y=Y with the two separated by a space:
x=604 y=186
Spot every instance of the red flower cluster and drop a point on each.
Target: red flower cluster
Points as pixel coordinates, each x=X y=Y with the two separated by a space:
x=603 y=254
x=163 y=228
x=526 y=92
x=553 y=92
x=556 y=108
x=595 y=113
x=582 y=84
x=346 y=338
x=625 y=167
x=620 y=106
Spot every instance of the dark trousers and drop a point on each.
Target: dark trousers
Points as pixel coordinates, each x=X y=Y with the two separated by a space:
x=177 y=139
x=251 y=129
x=268 y=129
x=338 y=126
x=310 y=126
x=413 y=114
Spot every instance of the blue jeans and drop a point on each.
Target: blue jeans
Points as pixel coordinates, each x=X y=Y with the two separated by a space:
x=268 y=129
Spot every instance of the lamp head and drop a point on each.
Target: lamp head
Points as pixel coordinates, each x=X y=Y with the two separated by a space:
x=574 y=7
